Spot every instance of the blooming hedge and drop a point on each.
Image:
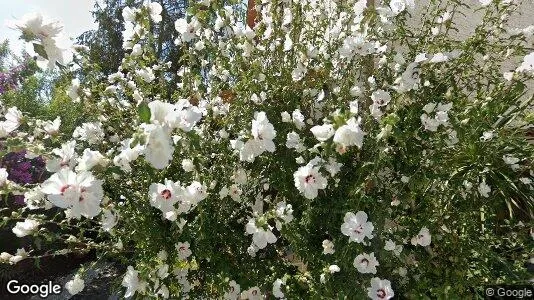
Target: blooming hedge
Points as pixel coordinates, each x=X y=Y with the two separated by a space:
x=331 y=151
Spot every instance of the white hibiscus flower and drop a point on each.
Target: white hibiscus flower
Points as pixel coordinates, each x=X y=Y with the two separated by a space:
x=72 y=91
x=328 y=247
x=164 y=196
x=277 y=288
x=155 y=9
x=308 y=180
x=159 y=148
x=160 y=112
x=391 y=246
x=185 y=116
x=260 y=236
x=25 y=228
x=183 y=250
x=380 y=289
x=90 y=159
x=92 y=132
x=366 y=263
x=19 y=255
x=356 y=227
x=48 y=34
x=263 y=131
x=233 y=291
x=423 y=238
x=186 y=29
x=528 y=64
x=254 y=293
x=323 y=132
x=263 y=134
x=350 y=134
x=109 y=220
x=196 y=192
x=75 y=285
x=13 y=118
x=80 y=193
x=484 y=189
x=66 y=157
x=3 y=177
x=127 y=154
x=131 y=282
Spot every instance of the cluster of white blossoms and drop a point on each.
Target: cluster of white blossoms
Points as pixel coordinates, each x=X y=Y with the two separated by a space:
x=261 y=235
x=262 y=133
x=159 y=147
x=236 y=189
x=357 y=228
x=380 y=99
x=133 y=29
x=435 y=115
x=72 y=186
x=13 y=259
x=346 y=135
x=165 y=196
x=289 y=127
x=92 y=133
x=79 y=193
x=48 y=128
x=161 y=271
x=75 y=285
x=262 y=232
x=47 y=37
x=25 y=228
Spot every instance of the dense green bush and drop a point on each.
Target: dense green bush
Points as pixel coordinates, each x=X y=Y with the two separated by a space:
x=332 y=151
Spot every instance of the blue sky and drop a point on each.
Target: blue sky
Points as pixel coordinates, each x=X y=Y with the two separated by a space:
x=74 y=14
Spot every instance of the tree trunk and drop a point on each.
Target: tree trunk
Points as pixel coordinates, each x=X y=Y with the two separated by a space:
x=251 y=13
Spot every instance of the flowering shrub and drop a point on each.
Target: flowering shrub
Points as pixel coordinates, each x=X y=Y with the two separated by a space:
x=22 y=170
x=9 y=79
x=332 y=151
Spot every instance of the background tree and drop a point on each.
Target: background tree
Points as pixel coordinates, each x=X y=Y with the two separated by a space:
x=105 y=43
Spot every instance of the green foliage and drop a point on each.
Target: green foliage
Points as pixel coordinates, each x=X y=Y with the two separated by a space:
x=27 y=97
x=71 y=114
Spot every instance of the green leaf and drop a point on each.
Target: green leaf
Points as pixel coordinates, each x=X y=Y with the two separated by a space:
x=144 y=112
x=39 y=49
x=391 y=119
x=114 y=169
